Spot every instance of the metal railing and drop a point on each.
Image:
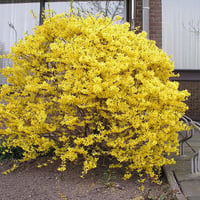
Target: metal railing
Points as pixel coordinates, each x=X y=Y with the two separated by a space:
x=195 y=159
x=189 y=134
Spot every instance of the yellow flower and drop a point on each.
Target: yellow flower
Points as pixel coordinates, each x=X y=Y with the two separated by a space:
x=118 y=17
x=91 y=88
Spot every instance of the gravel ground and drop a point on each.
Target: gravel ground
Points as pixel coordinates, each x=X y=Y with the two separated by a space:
x=31 y=183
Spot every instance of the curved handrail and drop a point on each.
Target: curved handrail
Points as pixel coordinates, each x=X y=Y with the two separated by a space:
x=189 y=134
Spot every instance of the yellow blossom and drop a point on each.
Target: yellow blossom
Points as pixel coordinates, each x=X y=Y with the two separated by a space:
x=91 y=88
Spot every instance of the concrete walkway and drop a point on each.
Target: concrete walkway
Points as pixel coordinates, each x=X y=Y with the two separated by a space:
x=183 y=182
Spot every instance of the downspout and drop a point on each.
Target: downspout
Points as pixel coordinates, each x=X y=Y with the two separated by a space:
x=42 y=8
x=145 y=16
x=130 y=12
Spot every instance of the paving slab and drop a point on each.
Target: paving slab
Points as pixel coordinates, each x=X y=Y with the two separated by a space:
x=183 y=174
x=186 y=156
x=194 y=198
x=179 y=175
x=190 y=188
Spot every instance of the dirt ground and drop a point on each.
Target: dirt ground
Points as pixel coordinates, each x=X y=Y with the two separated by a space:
x=31 y=183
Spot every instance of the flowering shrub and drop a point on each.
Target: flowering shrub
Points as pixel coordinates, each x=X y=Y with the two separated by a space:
x=88 y=88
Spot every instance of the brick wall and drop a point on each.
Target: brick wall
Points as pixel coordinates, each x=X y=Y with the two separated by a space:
x=138 y=14
x=193 y=102
x=155 y=19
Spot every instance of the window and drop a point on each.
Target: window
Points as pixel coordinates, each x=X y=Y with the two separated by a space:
x=107 y=7
x=17 y=17
x=181 y=32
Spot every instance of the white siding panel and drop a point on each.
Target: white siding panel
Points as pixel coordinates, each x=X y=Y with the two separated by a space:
x=181 y=32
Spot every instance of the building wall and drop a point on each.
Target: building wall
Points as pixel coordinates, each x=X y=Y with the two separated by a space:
x=188 y=81
x=193 y=102
x=155 y=19
x=138 y=14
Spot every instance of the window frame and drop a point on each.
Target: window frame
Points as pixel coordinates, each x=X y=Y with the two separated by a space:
x=128 y=6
